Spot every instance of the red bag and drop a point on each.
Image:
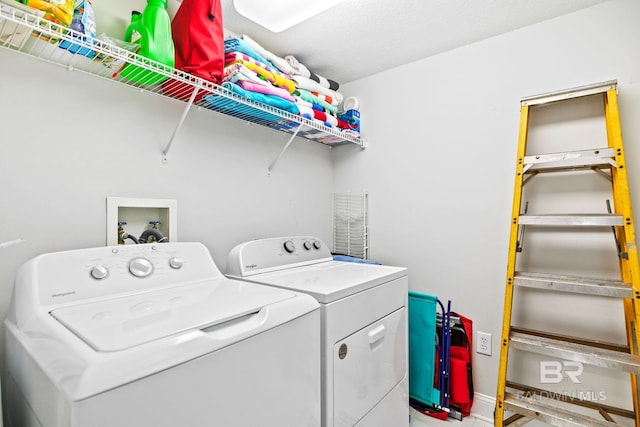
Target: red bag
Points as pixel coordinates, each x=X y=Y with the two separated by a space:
x=461 y=375
x=198 y=39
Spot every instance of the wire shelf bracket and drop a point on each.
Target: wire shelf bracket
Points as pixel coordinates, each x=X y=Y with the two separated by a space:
x=295 y=133
x=165 y=152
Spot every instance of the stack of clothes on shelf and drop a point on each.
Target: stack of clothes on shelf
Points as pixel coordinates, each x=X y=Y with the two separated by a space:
x=317 y=97
x=254 y=73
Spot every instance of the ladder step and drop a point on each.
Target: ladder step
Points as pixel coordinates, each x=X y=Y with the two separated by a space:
x=576 y=352
x=545 y=411
x=572 y=220
x=620 y=348
x=569 y=161
x=574 y=284
x=572 y=399
x=576 y=92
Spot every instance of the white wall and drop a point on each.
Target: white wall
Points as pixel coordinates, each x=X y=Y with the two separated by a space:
x=439 y=168
x=442 y=146
x=68 y=141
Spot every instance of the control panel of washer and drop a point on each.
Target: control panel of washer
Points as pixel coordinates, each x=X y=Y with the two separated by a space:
x=100 y=272
x=140 y=264
x=259 y=256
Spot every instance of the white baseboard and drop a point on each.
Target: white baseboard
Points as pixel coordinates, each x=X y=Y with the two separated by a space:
x=483 y=407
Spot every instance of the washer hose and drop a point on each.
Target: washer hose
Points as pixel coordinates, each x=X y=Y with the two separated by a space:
x=129 y=236
x=160 y=238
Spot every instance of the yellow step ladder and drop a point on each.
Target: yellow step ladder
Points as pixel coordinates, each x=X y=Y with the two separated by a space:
x=526 y=402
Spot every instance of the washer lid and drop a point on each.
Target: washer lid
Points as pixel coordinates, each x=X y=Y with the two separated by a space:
x=124 y=322
x=331 y=280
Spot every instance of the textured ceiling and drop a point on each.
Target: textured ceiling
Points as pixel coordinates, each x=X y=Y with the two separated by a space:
x=362 y=37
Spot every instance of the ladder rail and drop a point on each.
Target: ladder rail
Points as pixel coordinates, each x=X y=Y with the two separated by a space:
x=629 y=267
x=511 y=264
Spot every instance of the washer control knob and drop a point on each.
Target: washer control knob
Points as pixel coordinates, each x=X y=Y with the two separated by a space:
x=316 y=244
x=176 y=263
x=140 y=267
x=289 y=246
x=307 y=245
x=99 y=272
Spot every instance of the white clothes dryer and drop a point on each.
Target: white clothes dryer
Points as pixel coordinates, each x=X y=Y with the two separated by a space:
x=154 y=335
x=364 y=325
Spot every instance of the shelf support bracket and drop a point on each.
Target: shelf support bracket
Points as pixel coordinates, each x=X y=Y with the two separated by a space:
x=179 y=125
x=273 y=164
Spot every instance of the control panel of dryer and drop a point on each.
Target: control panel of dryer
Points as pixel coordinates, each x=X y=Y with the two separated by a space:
x=118 y=270
x=261 y=256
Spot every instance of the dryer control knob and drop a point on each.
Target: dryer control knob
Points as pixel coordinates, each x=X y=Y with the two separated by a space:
x=99 y=272
x=140 y=267
x=176 y=263
x=307 y=245
x=289 y=246
x=316 y=244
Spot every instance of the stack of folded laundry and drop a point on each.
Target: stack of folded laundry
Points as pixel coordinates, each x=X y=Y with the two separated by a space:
x=317 y=97
x=254 y=73
x=250 y=74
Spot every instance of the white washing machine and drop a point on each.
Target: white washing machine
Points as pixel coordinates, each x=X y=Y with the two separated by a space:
x=364 y=325
x=154 y=335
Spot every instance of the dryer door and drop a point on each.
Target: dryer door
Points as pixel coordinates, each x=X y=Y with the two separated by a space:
x=367 y=365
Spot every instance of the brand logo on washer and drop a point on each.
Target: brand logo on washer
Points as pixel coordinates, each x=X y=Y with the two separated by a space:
x=63 y=294
x=251 y=266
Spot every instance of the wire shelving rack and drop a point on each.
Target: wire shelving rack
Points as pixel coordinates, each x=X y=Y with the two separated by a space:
x=26 y=32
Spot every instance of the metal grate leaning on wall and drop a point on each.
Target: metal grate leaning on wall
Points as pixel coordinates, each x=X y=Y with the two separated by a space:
x=350 y=224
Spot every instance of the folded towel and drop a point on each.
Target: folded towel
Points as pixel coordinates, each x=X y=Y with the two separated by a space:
x=310 y=85
x=238 y=72
x=320 y=115
x=309 y=115
x=320 y=80
x=309 y=97
x=280 y=63
x=302 y=70
x=276 y=77
x=324 y=82
x=326 y=98
x=266 y=89
x=268 y=76
x=312 y=114
x=332 y=120
x=298 y=68
x=236 y=44
x=230 y=57
x=284 y=82
x=301 y=101
x=305 y=111
x=274 y=101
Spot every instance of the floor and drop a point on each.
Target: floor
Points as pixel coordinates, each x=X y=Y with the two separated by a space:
x=419 y=420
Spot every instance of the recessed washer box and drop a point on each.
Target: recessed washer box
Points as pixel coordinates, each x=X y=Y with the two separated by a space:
x=138 y=213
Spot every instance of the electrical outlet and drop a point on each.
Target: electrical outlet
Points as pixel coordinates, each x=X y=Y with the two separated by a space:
x=483 y=343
